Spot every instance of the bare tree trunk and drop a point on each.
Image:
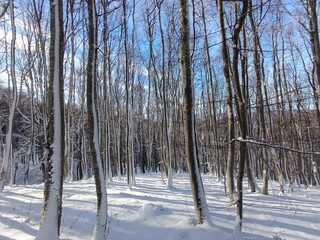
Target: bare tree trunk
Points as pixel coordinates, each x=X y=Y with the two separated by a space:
x=313 y=160
x=150 y=20
x=280 y=105
x=127 y=86
x=156 y=78
x=298 y=125
x=227 y=80
x=315 y=46
x=118 y=123
x=5 y=164
x=132 y=122
x=271 y=132
x=106 y=99
x=165 y=133
x=30 y=153
x=69 y=161
x=241 y=106
x=260 y=99
x=212 y=110
x=313 y=14
x=43 y=77
x=84 y=147
x=245 y=88
x=52 y=206
x=198 y=193
x=102 y=211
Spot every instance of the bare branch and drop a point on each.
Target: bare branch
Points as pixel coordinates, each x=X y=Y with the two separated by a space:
x=5 y=8
x=266 y=144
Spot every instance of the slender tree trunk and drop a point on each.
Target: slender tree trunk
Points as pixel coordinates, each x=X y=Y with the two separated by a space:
x=260 y=99
x=230 y=114
x=5 y=164
x=165 y=132
x=245 y=89
x=313 y=160
x=213 y=109
x=313 y=14
x=241 y=106
x=280 y=106
x=84 y=149
x=43 y=77
x=198 y=193
x=127 y=86
x=133 y=127
x=69 y=161
x=52 y=206
x=84 y=146
x=102 y=211
x=106 y=109
x=30 y=153
x=271 y=133
x=315 y=46
x=150 y=19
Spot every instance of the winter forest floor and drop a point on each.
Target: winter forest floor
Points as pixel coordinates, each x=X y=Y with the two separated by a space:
x=152 y=212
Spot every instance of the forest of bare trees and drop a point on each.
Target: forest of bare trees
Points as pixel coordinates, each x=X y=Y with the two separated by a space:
x=254 y=94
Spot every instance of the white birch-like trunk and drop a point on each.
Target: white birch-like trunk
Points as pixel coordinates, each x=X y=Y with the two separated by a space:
x=6 y=159
x=5 y=164
x=102 y=210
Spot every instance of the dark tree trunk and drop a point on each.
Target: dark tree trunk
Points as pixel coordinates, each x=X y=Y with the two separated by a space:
x=52 y=206
x=101 y=217
x=227 y=79
x=198 y=193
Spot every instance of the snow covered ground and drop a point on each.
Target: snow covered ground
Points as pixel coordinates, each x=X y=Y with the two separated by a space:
x=152 y=212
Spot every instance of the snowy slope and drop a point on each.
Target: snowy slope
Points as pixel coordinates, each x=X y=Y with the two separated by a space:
x=151 y=211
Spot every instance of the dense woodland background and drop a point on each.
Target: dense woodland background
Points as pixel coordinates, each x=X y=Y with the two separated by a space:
x=279 y=79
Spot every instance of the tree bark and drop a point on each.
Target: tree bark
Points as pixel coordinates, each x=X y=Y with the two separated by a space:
x=165 y=132
x=230 y=114
x=241 y=106
x=99 y=177
x=5 y=164
x=198 y=193
x=260 y=99
x=311 y=8
x=127 y=87
x=52 y=206
x=213 y=109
